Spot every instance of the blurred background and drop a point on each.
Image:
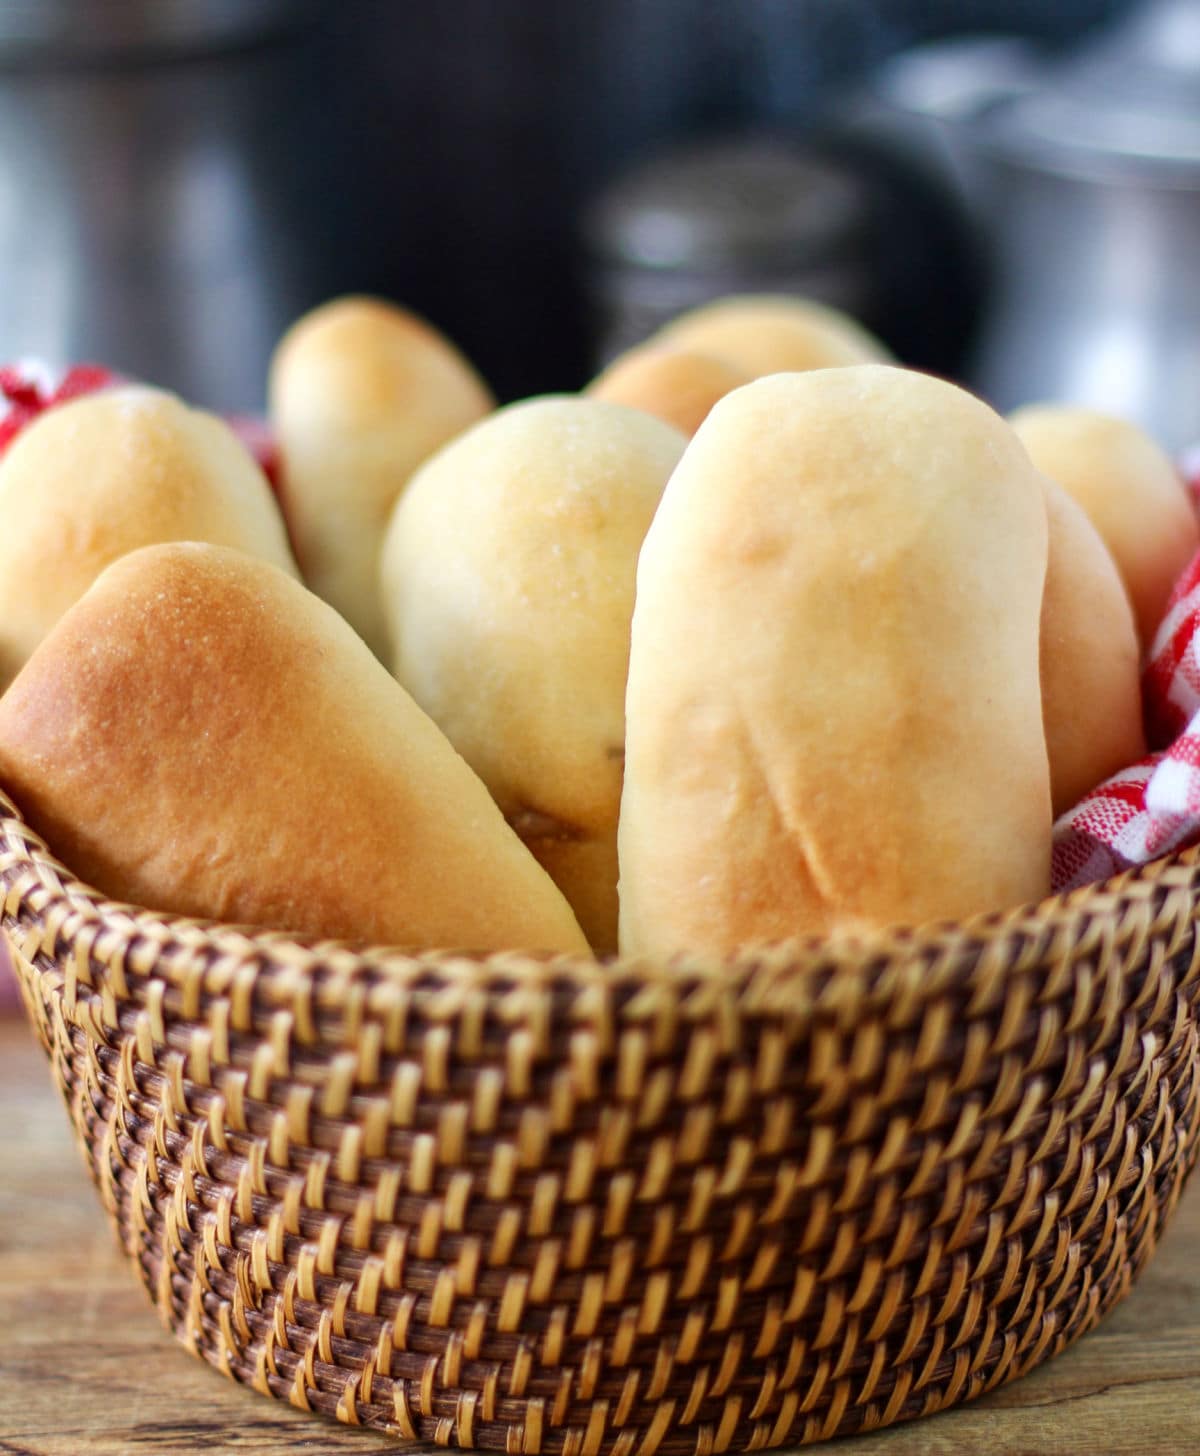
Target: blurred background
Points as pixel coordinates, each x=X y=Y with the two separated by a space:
x=1008 y=191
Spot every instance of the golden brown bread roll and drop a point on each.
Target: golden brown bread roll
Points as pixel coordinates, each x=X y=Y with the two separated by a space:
x=773 y=333
x=1091 y=687
x=88 y=481
x=676 y=385
x=508 y=574
x=834 y=717
x=1131 y=492
x=201 y=735
x=361 y=392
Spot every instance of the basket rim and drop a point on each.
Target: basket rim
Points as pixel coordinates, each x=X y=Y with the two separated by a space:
x=841 y=975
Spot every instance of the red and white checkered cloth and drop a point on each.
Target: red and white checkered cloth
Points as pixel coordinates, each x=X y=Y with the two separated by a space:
x=1153 y=807
x=29 y=388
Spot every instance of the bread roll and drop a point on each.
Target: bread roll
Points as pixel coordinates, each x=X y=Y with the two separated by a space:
x=88 y=481
x=1131 y=492
x=201 y=735
x=361 y=392
x=676 y=386
x=834 y=718
x=508 y=574
x=771 y=333
x=1091 y=687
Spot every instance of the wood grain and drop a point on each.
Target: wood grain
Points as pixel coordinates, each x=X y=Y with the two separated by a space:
x=85 y=1365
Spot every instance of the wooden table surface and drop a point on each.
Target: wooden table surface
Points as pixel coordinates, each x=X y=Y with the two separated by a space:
x=87 y=1370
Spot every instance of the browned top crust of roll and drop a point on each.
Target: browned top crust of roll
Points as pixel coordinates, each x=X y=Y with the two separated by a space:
x=96 y=478
x=201 y=735
x=361 y=393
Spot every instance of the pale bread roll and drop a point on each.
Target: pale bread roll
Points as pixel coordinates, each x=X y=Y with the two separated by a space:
x=361 y=392
x=834 y=717
x=770 y=333
x=90 y=480
x=1091 y=686
x=201 y=735
x=1132 y=494
x=675 y=385
x=509 y=574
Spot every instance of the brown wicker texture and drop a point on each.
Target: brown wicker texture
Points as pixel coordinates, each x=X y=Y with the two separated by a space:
x=556 y=1207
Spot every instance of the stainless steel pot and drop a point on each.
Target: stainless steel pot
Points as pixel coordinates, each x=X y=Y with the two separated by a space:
x=746 y=215
x=149 y=216
x=1085 y=178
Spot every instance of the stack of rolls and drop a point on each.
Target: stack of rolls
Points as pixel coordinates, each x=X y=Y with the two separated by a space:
x=759 y=636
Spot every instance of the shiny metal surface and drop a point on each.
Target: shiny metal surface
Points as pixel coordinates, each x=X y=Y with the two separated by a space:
x=150 y=212
x=1085 y=178
x=1094 y=183
x=1124 y=106
x=736 y=216
x=751 y=203
x=1096 y=301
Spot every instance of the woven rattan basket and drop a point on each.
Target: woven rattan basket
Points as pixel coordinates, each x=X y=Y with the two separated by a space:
x=548 y=1206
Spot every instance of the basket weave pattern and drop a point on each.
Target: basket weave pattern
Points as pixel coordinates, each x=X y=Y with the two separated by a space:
x=545 y=1206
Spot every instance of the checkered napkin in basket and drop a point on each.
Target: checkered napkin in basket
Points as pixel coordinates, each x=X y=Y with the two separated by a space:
x=1153 y=807
x=29 y=388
